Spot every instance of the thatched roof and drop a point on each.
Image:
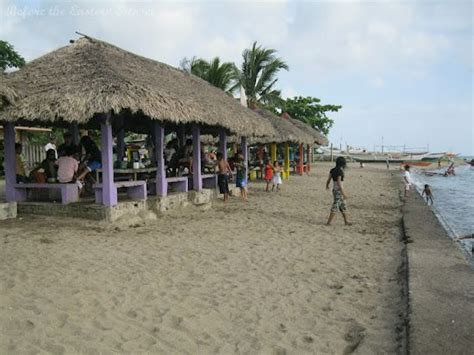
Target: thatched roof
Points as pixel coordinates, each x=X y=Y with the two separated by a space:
x=318 y=137
x=89 y=77
x=285 y=131
x=7 y=94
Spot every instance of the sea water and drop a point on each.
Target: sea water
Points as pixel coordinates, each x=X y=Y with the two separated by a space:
x=453 y=202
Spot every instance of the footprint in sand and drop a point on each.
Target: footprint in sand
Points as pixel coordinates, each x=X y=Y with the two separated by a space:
x=355 y=333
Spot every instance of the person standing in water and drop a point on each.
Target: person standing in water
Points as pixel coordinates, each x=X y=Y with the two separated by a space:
x=339 y=204
x=428 y=194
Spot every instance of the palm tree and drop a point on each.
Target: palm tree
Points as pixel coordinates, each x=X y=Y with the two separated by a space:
x=258 y=75
x=221 y=75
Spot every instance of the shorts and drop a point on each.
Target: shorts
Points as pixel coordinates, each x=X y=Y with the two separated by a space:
x=338 y=204
x=407 y=187
x=223 y=182
x=93 y=165
x=241 y=182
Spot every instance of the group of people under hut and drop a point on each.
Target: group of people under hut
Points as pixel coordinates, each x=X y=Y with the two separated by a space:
x=69 y=163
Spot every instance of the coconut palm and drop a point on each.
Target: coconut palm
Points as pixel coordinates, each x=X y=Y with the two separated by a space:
x=222 y=75
x=258 y=74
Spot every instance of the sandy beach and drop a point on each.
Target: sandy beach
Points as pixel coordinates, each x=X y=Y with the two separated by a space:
x=263 y=277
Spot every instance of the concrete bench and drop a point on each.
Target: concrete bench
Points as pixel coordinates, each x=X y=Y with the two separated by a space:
x=69 y=192
x=179 y=183
x=136 y=190
x=209 y=181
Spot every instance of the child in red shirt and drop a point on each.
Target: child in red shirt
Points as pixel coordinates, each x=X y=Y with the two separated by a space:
x=268 y=174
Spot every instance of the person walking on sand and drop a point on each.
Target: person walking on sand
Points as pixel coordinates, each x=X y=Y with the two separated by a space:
x=276 y=176
x=428 y=194
x=241 y=177
x=407 y=180
x=223 y=177
x=339 y=204
x=268 y=174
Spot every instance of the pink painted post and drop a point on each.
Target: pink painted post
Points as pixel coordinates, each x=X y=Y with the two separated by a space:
x=109 y=191
x=223 y=142
x=245 y=153
x=197 y=180
x=161 y=183
x=11 y=193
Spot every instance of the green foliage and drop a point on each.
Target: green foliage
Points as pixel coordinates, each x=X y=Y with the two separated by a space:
x=309 y=110
x=9 y=58
x=258 y=74
x=221 y=75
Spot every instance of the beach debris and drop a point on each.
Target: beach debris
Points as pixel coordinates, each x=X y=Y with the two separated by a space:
x=46 y=241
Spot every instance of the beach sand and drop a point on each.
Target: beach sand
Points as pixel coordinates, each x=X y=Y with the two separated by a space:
x=263 y=277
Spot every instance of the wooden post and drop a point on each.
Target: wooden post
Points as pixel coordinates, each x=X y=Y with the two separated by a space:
x=287 y=161
x=273 y=152
x=11 y=193
x=197 y=180
x=74 y=130
x=159 y=137
x=331 y=153
x=109 y=191
x=120 y=144
x=223 y=143
x=308 y=159
x=182 y=136
x=301 y=158
x=245 y=153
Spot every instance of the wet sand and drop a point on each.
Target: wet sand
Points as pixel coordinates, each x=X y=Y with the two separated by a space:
x=263 y=277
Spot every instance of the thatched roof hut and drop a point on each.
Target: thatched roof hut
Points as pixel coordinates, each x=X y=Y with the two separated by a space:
x=285 y=131
x=87 y=78
x=318 y=137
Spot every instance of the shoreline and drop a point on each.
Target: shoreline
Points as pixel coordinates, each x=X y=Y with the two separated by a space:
x=440 y=283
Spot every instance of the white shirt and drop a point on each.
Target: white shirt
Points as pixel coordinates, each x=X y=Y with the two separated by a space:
x=407 y=176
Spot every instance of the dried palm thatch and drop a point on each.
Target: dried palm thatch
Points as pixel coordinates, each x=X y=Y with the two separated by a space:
x=285 y=131
x=7 y=94
x=318 y=137
x=89 y=77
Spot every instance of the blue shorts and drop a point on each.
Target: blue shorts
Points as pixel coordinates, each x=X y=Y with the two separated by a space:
x=241 y=183
x=93 y=165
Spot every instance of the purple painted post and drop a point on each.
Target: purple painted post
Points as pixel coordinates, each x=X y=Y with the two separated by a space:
x=245 y=152
x=197 y=180
x=11 y=193
x=74 y=130
x=161 y=183
x=223 y=142
x=109 y=191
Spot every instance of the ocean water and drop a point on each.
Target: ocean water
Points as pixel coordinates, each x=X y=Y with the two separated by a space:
x=453 y=202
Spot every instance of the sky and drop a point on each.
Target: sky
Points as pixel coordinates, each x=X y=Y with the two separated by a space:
x=402 y=70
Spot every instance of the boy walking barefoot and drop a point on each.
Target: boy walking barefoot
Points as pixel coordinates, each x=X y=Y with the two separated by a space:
x=428 y=194
x=407 y=180
x=223 y=177
x=337 y=176
x=241 y=178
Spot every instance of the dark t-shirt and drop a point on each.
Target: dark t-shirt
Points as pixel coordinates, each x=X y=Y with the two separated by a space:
x=336 y=172
x=93 y=153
